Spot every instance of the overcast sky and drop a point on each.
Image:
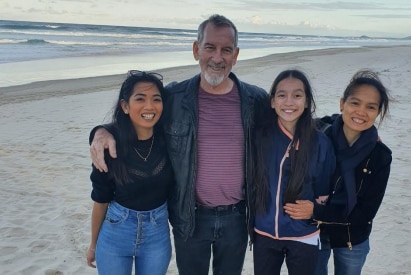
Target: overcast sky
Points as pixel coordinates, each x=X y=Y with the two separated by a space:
x=373 y=18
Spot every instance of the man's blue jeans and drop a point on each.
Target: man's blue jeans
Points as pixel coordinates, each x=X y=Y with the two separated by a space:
x=128 y=236
x=346 y=261
x=222 y=232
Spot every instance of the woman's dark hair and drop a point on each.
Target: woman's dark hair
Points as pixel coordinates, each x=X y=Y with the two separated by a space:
x=300 y=150
x=368 y=77
x=123 y=129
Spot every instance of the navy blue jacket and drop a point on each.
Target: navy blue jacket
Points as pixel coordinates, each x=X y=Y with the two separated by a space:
x=275 y=223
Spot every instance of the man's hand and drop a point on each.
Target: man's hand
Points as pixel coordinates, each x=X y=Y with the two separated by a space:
x=300 y=210
x=102 y=140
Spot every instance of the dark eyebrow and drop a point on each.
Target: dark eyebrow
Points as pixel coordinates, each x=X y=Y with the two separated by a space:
x=145 y=95
x=299 y=90
x=368 y=103
x=293 y=91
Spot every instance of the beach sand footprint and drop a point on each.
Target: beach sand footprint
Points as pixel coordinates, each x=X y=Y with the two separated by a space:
x=53 y=272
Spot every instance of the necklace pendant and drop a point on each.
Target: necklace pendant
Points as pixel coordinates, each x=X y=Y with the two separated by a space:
x=149 y=151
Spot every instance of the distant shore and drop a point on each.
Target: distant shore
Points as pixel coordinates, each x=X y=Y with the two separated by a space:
x=60 y=87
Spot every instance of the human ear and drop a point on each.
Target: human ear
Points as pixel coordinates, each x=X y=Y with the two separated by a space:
x=236 y=52
x=272 y=103
x=341 y=104
x=195 y=50
x=124 y=106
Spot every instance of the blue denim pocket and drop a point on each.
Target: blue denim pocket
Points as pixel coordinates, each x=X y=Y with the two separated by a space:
x=160 y=216
x=115 y=215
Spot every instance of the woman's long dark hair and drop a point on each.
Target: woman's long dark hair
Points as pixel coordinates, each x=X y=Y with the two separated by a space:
x=300 y=151
x=123 y=129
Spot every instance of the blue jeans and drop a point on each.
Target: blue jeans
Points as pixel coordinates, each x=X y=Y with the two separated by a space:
x=346 y=261
x=222 y=231
x=128 y=236
x=269 y=255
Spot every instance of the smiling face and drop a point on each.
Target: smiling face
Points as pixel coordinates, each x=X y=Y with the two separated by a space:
x=144 y=108
x=360 y=110
x=289 y=102
x=216 y=54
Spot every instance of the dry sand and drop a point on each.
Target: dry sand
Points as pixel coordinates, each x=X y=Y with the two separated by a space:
x=45 y=201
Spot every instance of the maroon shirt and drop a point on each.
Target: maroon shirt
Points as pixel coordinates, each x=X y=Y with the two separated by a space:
x=220 y=172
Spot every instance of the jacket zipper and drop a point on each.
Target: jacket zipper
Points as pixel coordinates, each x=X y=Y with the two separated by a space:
x=277 y=199
x=336 y=185
x=349 y=244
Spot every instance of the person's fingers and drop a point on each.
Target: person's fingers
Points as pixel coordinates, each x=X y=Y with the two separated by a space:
x=93 y=156
x=298 y=211
x=90 y=264
x=90 y=257
x=290 y=207
x=99 y=161
x=97 y=157
x=303 y=202
x=112 y=148
x=102 y=140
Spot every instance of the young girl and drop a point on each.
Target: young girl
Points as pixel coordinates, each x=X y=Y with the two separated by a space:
x=129 y=217
x=358 y=186
x=293 y=162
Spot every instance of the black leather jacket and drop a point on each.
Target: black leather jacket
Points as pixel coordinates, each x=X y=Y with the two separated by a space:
x=180 y=116
x=371 y=177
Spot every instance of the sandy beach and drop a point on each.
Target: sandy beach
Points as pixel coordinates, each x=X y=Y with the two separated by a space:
x=45 y=203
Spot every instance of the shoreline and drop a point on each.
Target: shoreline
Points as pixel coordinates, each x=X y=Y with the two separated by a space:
x=60 y=87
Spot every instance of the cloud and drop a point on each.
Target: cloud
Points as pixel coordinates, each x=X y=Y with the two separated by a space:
x=382 y=16
x=257 y=20
x=312 y=5
x=286 y=16
x=308 y=24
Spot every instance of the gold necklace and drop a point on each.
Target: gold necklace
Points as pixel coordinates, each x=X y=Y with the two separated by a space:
x=149 y=151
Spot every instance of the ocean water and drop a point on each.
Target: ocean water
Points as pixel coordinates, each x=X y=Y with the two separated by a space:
x=34 y=51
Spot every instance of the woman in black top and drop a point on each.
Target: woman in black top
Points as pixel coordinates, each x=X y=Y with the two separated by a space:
x=129 y=217
x=358 y=186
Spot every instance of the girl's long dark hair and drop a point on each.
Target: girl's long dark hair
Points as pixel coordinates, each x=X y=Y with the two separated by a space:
x=123 y=129
x=301 y=145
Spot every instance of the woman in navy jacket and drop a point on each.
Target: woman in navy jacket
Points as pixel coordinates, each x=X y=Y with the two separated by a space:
x=358 y=186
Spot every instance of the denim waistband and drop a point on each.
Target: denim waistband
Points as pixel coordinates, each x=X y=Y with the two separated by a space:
x=221 y=208
x=135 y=213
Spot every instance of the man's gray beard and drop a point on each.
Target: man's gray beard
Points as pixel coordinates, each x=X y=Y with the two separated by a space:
x=214 y=79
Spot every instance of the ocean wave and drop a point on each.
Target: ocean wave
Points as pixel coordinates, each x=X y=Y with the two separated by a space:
x=35 y=41
x=53 y=42
x=137 y=43
x=108 y=35
x=28 y=26
x=10 y=41
x=18 y=39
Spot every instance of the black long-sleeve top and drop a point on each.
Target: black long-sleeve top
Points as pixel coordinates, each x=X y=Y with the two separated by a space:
x=151 y=179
